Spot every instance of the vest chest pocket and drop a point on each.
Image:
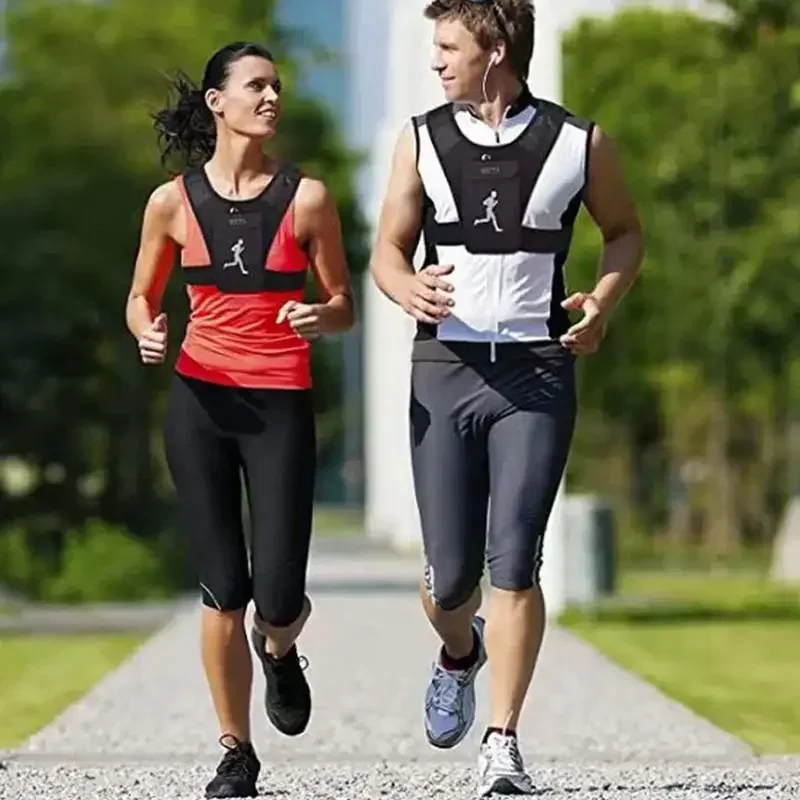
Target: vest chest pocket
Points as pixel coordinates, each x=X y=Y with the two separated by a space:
x=491 y=217
x=238 y=253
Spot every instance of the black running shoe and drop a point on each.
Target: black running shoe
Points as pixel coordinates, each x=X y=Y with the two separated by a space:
x=288 y=696
x=237 y=773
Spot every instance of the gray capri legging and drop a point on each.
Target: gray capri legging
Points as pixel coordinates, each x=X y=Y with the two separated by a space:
x=481 y=430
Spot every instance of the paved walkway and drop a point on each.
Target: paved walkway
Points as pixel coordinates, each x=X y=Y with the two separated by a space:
x=591 y=729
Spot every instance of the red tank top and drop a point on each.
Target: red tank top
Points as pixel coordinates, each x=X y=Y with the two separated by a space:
x=241 y=263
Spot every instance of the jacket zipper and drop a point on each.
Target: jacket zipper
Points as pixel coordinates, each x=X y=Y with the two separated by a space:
x=493 y=341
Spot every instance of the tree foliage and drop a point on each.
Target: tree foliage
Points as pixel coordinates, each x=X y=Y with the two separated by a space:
x=695 y=393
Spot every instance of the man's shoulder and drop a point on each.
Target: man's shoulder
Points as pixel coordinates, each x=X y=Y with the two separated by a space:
x=424 y=117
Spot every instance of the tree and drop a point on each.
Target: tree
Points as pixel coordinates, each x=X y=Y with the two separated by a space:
x=697 y=356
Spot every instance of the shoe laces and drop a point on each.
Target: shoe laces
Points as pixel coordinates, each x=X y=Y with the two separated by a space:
x=447 y=685
x=292 y=661
x=505 y=753
x=236 y=761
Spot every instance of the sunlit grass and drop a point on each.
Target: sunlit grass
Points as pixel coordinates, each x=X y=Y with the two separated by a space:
x=727 y=647
x=41 y=675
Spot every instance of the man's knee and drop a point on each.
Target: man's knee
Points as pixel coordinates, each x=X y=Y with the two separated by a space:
x=450 y=590
x=515 y=571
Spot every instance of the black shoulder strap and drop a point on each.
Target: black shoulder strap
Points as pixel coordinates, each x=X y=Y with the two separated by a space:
x=201 y=201
x=198 y=192
x=283 y=188
x=451 y=148
x=276 y=200
x=537 y=143
x=442 y=128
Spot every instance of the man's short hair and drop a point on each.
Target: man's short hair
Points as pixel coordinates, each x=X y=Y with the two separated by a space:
x=492 y=21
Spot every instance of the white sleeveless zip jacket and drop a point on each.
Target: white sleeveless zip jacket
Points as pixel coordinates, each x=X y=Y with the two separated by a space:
x=516 y=296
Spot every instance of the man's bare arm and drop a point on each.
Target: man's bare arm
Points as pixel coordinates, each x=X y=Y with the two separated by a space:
x=328 y=260
x=611 y=206
x=424 y=294
x=400 y=220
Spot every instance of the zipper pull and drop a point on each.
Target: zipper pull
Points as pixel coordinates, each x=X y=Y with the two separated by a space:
x=492 y=351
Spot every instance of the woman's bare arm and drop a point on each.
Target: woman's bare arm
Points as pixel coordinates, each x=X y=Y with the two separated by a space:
x=154 y=260
x=320 y=228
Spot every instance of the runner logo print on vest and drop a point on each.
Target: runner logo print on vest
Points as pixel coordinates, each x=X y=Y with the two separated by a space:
x=490 y=207
x=237 y=242
x=490 y=203
x=237 y=251
x=238 y=235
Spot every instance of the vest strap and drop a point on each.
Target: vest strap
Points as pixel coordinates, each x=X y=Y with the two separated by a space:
x=532 y=240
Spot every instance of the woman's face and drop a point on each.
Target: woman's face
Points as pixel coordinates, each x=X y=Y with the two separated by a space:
x=249 y=104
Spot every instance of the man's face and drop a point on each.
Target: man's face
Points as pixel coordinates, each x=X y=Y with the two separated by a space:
x=459 y=61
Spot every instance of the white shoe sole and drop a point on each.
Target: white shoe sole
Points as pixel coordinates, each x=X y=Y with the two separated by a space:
x=505 y=786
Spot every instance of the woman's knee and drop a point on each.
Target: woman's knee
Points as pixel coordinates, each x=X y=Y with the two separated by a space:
x=280 y=604
x=225 y=597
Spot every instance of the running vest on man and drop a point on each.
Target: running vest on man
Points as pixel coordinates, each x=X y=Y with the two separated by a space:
x=500 y=207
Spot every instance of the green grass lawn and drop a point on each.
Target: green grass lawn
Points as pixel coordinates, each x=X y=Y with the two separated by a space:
x=41 y=675
x=333 y=520
x=726 y=646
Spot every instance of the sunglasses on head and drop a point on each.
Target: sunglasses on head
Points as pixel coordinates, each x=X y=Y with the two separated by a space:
x=498 y=15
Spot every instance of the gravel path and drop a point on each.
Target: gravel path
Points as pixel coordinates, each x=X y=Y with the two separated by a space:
x=591 y=730
x=391 y=781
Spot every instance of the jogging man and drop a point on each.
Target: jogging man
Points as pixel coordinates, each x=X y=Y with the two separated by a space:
x=494 y=180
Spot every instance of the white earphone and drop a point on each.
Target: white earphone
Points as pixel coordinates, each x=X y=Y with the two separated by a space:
x=492 y=61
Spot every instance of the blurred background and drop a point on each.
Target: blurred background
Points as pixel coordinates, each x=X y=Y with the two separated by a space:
x=687 y=452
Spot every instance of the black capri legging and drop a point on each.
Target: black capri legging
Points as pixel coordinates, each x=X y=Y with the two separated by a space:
x=214 y=434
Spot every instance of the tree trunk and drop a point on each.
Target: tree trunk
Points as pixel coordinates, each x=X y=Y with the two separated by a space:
x=723 y=535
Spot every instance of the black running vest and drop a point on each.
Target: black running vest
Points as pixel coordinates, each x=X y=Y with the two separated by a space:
x=239 y=234
x=492 y=186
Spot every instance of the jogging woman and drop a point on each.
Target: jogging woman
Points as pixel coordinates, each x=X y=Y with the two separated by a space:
x=245 y=230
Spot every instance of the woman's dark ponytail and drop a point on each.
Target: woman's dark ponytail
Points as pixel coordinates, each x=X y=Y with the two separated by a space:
x=188 y=128
x=185 y=128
